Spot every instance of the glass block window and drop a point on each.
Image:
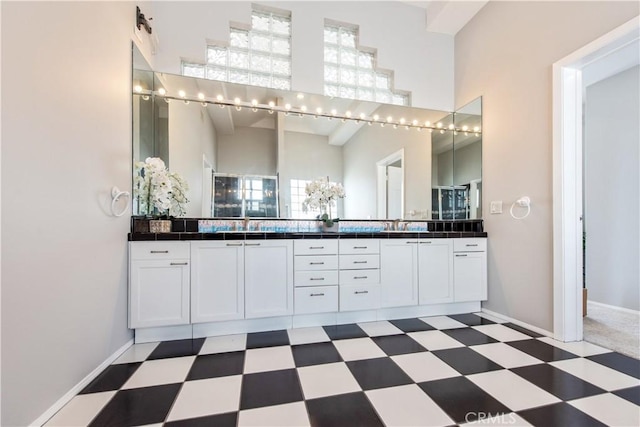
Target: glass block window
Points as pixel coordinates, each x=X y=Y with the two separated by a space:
x=351 y=73
x=297 y=197
x=260 y=56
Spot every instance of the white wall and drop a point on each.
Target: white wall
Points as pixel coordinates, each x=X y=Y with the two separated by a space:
x=308 y=157
x=611 y=193
x=422 y=61
x=248 y=151
x=191 y=136
x=505 y=54
x=66 y=140
x=372 y=144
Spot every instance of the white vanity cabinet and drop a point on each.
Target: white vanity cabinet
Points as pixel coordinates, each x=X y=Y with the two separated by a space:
x=268 y=278
x=359 y=274
x=217 y=281
x=470 y=269
x=316 y=276
x=416 y=271
x=435 y=271
x=398 y=272
x=158 y=284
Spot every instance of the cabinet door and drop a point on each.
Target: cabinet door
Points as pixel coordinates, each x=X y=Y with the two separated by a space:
x=435 y=271
x=158 y=293
x=268 y=278
x=217 y=281
x=470 y=276
x=398 y=273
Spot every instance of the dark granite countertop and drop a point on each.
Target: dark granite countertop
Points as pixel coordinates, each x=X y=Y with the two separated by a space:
x=301 y=235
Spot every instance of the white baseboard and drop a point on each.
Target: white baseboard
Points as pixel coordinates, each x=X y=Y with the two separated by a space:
x=78 y=387
x=613 y=307
x=519 y=323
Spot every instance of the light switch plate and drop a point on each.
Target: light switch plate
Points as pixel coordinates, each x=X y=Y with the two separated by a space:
x=496 y=207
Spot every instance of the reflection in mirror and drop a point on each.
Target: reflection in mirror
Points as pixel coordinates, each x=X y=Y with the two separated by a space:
x=457 y=166
x=203 y=140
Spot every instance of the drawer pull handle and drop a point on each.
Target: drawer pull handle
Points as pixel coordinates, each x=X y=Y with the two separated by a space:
x=410 y=243
x=179 y=263
x=471 y=244
x=316 y=247
x=234 y=244
x=428 y=242
x=316 y=263
x=360 y=247
x=317 y=278
x=360 y=277
x=316 y=295
x=360 y=262
x=252 y=244
x=361 y=292
x=461 y=254
x=159 y=252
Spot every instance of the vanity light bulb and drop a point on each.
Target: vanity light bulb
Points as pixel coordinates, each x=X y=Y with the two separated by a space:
x=476 y=129
x=161 y=91
x=303 y=108
x=402 y=120
x=415 y=123
x=272 y=104
x=201 y=96
x=427 y=123
x=389 y=119
x=300 y=96
x=362 y=116
x=287 y=107
x=439 y=125
x=451 y=126
x=334 y=112
x=220 y=98
x=236 y=100
x=376 y=117
x=465 y=128
x=254 y=102
x=348 y=114
x=182 y=93
x=138 y=88
x=442 y=131
x=319 y=110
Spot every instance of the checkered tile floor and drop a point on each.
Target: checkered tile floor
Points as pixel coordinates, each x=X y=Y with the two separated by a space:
x=433 y=371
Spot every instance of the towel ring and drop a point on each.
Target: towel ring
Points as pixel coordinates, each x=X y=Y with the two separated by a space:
x=523 y=202
x=116 y=194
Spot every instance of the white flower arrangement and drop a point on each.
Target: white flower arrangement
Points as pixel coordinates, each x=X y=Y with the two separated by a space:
x=158 y=191
x=322 y=195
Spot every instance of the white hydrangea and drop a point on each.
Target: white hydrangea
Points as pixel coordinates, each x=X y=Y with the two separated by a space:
x=157 y=191
x=322 y=195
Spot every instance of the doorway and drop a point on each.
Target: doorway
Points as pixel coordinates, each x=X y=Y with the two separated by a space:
x=391 y=186
x=568 y=175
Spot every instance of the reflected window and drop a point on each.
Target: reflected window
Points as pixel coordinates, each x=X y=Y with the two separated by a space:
x=350 y=71
x=260 y=56
x=297 y=197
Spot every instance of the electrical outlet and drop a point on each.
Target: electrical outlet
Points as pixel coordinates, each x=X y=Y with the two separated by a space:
x=496 y=207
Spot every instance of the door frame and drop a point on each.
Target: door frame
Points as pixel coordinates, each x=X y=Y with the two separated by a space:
x=381 y=171
x=567 y=177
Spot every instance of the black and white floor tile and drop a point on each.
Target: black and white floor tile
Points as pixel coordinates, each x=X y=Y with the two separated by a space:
x=434 y=371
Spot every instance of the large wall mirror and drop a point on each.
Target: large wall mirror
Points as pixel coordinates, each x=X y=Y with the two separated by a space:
x=392 y=167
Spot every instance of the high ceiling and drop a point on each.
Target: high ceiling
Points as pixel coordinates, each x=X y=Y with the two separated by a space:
x=449 y=16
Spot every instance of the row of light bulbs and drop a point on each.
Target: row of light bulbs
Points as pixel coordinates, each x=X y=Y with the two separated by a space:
x=287 y=109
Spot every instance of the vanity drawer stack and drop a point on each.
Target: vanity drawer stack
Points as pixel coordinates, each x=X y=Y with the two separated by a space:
x=315 y=276
x=359 y=274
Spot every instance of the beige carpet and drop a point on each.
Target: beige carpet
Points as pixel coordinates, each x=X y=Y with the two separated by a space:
x=613 y=329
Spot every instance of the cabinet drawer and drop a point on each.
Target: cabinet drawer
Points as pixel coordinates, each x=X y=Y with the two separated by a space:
x=359 y=297
x=469 y=245
x=316 y=278
x=359 y=246
x=315 y=247
x=359 y=262
x=316 y=299
x=312 y=262
x=159 y=250
x=348 y=277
